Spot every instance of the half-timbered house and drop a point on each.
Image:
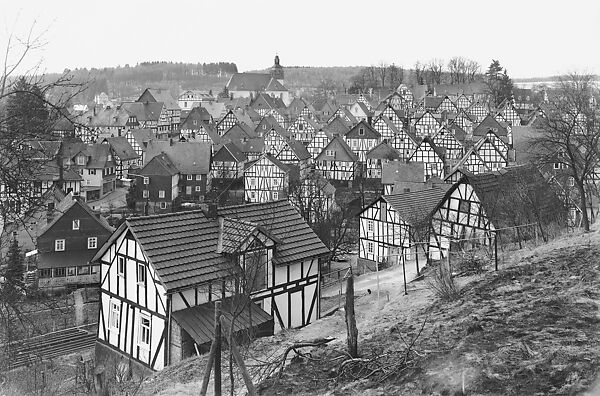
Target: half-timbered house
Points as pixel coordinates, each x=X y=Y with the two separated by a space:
x=479 y=111
x=347 y=117
x=431 y=156
x=500 y=129
x=124 y=155
x=275 y=138
x=397 y=117
x=405 y=142
x=362 y=138
x=454 y=147
x=266 y=179
x=377 y=156
x=318 y=143
x=157 y=299
x=400 y=176
x=303 y=129
x=462 y=102
x=295 y=153
x=388 y=226
x=225 y=123
x=228 y=162
x=138 y=139
x=337 y=162
x=386 y=128
x=360 y=111
x=426 y=124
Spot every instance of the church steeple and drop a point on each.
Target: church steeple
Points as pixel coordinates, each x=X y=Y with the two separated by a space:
x=277 y=70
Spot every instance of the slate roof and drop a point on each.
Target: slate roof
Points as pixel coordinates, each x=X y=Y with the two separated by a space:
x=162 y=95
x=160 y=164
x=144 y=111
x=199 y=114
x=199 y=320
x=336 y=127
x=383 y=151
x=297 y=240
x=392 y=172
x=238 y=133
x=181 y=247
x=234 y=233
x=432 y=102
x=63 y=208
x=272 y=124
x=338 y=145
x=98 y=156
x=254 y=145
x=489 y=122
x=299 y=149
x=254 y=82
x=416 y=206
x=188 y=157
x=234 y=150
x=369 y=131
x=104 y=117
x=121 y=148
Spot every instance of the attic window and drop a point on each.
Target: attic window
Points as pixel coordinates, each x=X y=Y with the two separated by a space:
x=361 y=131
x=300 y=127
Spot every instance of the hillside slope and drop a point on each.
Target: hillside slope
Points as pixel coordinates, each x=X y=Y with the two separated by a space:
x=533 y=327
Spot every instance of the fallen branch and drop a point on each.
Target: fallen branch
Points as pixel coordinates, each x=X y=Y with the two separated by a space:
x=294 y=347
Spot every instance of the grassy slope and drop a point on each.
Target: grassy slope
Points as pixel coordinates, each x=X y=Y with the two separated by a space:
x=531 y=328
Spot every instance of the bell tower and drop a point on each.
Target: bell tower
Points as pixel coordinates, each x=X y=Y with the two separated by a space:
x=277 y=70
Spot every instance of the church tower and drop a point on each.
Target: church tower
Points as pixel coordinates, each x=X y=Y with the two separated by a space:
x=277 y=70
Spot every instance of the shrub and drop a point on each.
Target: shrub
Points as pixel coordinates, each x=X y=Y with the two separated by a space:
x=441 y=281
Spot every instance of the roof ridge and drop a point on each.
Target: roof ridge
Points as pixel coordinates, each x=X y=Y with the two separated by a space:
x=165 y=214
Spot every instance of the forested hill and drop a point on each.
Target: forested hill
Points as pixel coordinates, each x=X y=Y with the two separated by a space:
x=128 y=82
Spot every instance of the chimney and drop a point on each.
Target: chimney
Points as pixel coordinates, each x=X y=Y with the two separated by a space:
x=220 y=240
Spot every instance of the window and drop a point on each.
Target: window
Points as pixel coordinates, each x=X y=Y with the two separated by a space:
x=146 y=180
x=300 y=127
x=95 y=269
x=252 y=182
x=370 y=225
x=198 y=189
x=109 y=157
x=60 y=272
x=59 y=245
x=141 y=274
x=145 y=194
x=361 y=131
x=81 y=160
x=83 y=270
x=370 y=247
x=163 y=205
x=71 y=271
x=161 y=193
x=92 y=242
x=91 y=171
x=198 y=177
x=275 y=195
x=252 y=195
x=120 y=265
x=330 y=153
x=571 y=182
x=189 y=177
x=144 y=332
x=114 y=315
x=45 y=272
x=76 y=224
x=188 y=190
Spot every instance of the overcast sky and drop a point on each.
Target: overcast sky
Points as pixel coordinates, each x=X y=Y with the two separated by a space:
x=530 y=38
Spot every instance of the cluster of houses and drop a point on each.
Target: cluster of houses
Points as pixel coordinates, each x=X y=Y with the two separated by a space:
x=438 y=160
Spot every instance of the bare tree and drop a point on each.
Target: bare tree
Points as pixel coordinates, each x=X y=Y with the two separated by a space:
x=436 y=70
x=457 y=67
x=395 y=75
x=420 y=73
x=568 y=134
x=383 y=71
x=473 y=70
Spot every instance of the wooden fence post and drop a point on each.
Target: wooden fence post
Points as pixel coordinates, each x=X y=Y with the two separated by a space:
x=351 y=319
x=218 y=348
x=238 y=358
x=212 y=355
x=496 y=249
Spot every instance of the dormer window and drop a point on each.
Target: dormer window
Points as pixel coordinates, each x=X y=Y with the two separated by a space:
x=80 y=160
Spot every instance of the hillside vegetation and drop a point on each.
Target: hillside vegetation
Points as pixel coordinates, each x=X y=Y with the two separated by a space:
x=531 y=328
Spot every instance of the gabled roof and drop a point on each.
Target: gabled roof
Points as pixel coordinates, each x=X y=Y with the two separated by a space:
x=65 y=206
x=254 y=145
x=298 y=242
x=160 y=164
x=395 y=171
x=341 y=148
x=187 y=157
x=198 y=114
x=160 y=95
x=238 y=132
x=270 y=158
x=369 y=131
x=440 y=151
x=182 y=248
x=121 y=148
x=298 y=149
x=490 y=123
x=232 y=149
x=383 y=151
x=236 y=232
x=271 y=124
x=98 y=156
x=458 y=132
x=142 y=136
x=105 y=117
x=432 y=102
x=336 y=127
x=255 y=82
x=144 y=111
x=416 y=207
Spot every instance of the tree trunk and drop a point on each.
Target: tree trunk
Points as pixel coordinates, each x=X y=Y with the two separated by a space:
x=583 y=201
x=351 y=319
